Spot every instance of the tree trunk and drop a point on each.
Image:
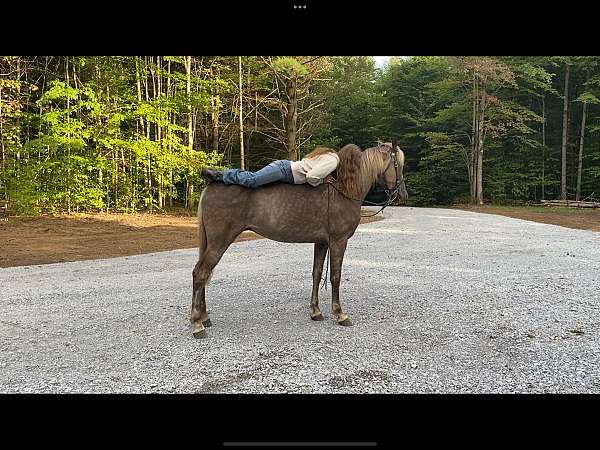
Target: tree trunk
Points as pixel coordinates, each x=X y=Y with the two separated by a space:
x=215 y=118
x=190 y=196
x=474 y=141
x=480 y=140
x=1 y=134
x=68 y=146
x=543 y=145
x=160 y=191
x=188 y=90
x=171 y=188
x=4 y=192
x=480 y=177
x=563 y=172
x=473 y=171
x=580 y=160
x=171 y=119
x=139 y=94
x=242 y=165
x=18 y=116
x=156 y=89
x=291 y=120
x=149 y=160
x=188 y=72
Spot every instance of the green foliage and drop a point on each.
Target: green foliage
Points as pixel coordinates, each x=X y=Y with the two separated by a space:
x=589 y=98
x=427 y=103
x=439 y=178
x=350 y=103
x=290 y=67
x=111 y=133
x=92 y=144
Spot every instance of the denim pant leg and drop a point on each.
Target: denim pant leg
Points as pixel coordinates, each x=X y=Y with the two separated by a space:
x=276 y=171
x=286 y=168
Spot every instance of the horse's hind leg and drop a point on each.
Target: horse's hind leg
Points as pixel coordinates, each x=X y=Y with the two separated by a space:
x=336 y=251
x=319 y=258
x=200 y=319
x=201 y=275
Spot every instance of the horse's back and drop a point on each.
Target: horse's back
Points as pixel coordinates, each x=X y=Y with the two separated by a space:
x=276 y=196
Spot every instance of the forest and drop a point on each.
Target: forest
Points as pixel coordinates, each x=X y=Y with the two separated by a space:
x=130 y=133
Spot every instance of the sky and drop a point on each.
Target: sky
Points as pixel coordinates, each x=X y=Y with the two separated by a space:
x=381 y=61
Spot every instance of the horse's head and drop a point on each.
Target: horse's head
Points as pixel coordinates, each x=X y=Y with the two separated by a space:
x=392 y=177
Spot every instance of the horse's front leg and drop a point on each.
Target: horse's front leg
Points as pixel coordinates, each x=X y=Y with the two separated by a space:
x=336 y=252
x=319 y=259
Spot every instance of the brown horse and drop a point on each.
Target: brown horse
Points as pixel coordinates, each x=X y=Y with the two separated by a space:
x=326 y=215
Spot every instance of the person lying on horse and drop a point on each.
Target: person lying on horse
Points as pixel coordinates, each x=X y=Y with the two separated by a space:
x=286 y=212
x=312 y=169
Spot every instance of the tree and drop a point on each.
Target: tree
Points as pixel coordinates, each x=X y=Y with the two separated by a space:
x=88 y=133
x=241 y=116
x=294 y=79
x=563 y=173
x=352 y=106
x=585 y=98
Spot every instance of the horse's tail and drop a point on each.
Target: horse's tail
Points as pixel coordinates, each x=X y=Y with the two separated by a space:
x=202 y=242
x=201 y=229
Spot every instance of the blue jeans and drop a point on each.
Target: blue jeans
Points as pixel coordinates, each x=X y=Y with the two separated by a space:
x=276 y=171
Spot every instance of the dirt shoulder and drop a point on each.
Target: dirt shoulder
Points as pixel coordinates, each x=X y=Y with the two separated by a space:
x=44 y=240
x=582 y=219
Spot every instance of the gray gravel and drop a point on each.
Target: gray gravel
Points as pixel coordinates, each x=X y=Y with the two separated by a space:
x=442 y=301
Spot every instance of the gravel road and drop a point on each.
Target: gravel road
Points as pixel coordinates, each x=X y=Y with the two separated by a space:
x=442 y=301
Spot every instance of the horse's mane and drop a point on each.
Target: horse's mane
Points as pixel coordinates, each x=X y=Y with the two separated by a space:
x=358 y=169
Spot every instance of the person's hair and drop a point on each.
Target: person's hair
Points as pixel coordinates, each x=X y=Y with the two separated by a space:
x=348 y=170
x=318 y=152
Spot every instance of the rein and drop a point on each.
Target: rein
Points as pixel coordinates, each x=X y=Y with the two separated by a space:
x=392 y=197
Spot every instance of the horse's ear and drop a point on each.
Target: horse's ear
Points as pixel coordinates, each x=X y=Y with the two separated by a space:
x=401 y=156
x=397 y=148
x=381 y=146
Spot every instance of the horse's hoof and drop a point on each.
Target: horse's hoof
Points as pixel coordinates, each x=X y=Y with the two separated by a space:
x=200 y=334
x=207 y=323
x=198 y=330
x=345 y=322
x=318 y=317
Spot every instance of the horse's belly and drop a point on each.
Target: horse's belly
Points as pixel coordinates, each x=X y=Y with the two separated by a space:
x=284 y=234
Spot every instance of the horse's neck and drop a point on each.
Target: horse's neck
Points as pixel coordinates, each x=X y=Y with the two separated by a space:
x=366 y=176
x=364 y=191
x=354 y=195
x=369 y=174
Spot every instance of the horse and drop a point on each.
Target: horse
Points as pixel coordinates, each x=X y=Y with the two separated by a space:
x=326 y=215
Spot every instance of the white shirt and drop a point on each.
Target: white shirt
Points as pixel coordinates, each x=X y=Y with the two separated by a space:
x=314 y=170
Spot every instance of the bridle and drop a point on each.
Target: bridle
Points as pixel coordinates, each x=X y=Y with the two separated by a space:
x=399 y=177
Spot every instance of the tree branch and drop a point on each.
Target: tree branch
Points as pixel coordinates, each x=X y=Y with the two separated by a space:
x=311 y=107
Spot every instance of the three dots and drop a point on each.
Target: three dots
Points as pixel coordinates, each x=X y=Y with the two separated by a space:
x=299 y=6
